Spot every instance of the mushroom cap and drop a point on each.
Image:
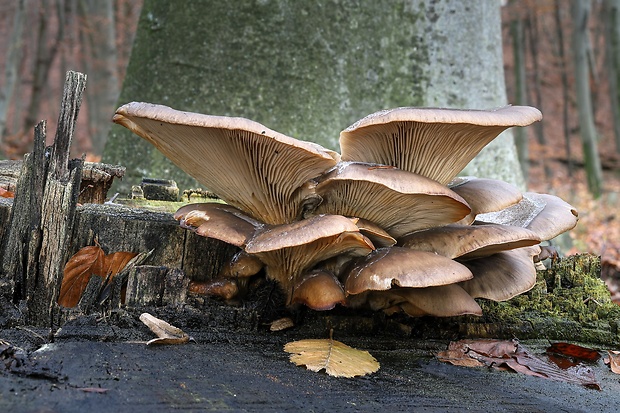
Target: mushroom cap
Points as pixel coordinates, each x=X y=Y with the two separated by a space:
x=398 y=201
x=251 y=167
x=441 y=301
x=379 y=237
x=502 y=276
x=219 y=221
x=319 y=290
x=241 y=265
x=546 y=215
x=471 y=241
x=288 y=250
x=402 y=267
x=436 y=143
x=485 y=195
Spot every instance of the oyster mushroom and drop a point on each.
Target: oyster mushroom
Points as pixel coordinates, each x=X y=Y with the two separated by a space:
x=260 y=171
x=441 y=301
x=402 y=267
x=288 y=250
x=502 y=276
x=471 y=241
x=319 y=290
x=220 y=221
x=436 y=143
x=398 y=201
x=546 y=215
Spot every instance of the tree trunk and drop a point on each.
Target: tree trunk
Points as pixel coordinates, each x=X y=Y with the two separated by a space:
x=518 y=50
x=309 y=70
x=13 y=58
x=612 y=49
x=580 y=14
x=98 y=39
x=565 y=92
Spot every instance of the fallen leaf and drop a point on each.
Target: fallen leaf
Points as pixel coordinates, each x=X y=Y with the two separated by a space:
x=281 y=324
x=166 y=333
x=84 y=263
x=89 y=261
x=338 y=359
x=6 y=194
x=502 y=354
x=574 y=351
x=614 y=361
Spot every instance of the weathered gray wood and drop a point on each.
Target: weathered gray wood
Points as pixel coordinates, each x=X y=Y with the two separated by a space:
x=96 y=179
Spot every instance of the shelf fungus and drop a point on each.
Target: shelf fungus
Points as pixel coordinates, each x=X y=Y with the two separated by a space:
x=385 y=224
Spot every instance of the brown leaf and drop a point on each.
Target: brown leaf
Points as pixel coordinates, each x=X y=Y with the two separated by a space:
x=84 y=263
x=6 y=194
x=574 y=351
x=115 y=262
x=166 y=333
x=614 y=361
x=338 y=359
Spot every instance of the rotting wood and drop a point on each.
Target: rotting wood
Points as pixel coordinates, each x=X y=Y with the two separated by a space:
x=156 y=286
x=97 y=178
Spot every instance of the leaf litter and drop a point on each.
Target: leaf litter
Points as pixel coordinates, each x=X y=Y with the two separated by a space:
x=512 y=356
x=166 y=333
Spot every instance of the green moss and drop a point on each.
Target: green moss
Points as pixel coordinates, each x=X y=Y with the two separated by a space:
x=568 y=302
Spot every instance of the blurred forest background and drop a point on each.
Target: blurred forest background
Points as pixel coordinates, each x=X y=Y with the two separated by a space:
x=560 y=56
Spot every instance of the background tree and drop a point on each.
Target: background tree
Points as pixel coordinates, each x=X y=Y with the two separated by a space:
x=311 y=69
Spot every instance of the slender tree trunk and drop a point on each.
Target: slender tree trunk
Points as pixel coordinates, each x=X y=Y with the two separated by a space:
x=98 y=37
x=518 y=49
x=534 y=38
x=580 y=14
x=565 y=90
x=13 y=58
x=612 y=60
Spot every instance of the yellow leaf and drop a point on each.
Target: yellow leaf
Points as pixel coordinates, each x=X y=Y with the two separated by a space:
x=338 y=359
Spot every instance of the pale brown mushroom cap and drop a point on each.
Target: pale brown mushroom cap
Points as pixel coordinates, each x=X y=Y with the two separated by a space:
x=219 y=221
x=319 y=290
x=472 y=241
x=485 y=195
x=398 y=201
x=241 y=265
x=379 y=237
x=502 y=276
x=436 y=143
x=402 y=267
x=288 y=250
x=546 y=215
x=251 y=167
x=441 y=301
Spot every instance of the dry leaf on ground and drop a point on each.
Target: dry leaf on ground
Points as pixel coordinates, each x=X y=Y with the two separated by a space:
x=6 y=194
x=166 y=333
x=338 y=359
x=614 y=361
x=502 y=354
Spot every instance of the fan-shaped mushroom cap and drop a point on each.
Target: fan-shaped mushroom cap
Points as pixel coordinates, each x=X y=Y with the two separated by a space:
x=502 y=276
x=402 y=267
x=379 y=237
x=289 y=249
x=219 y=221
x=546 y=215
x=485 y=195
x=436 y=143
x=441 y=301
x=251 y=167
x=398 y=201
x=471 y=241
x=320 y=290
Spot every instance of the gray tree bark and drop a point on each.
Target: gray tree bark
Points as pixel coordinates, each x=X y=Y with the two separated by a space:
x=310 y=69
x=612 y=52
x=580 y=12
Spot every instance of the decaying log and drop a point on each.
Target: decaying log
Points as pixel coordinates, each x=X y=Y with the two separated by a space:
x=97 y=178
x=156 y=286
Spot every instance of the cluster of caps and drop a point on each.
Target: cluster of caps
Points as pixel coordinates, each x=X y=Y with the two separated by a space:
x=386 y=223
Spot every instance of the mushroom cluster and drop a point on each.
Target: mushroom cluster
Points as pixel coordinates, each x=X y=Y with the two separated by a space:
x=386 y=224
